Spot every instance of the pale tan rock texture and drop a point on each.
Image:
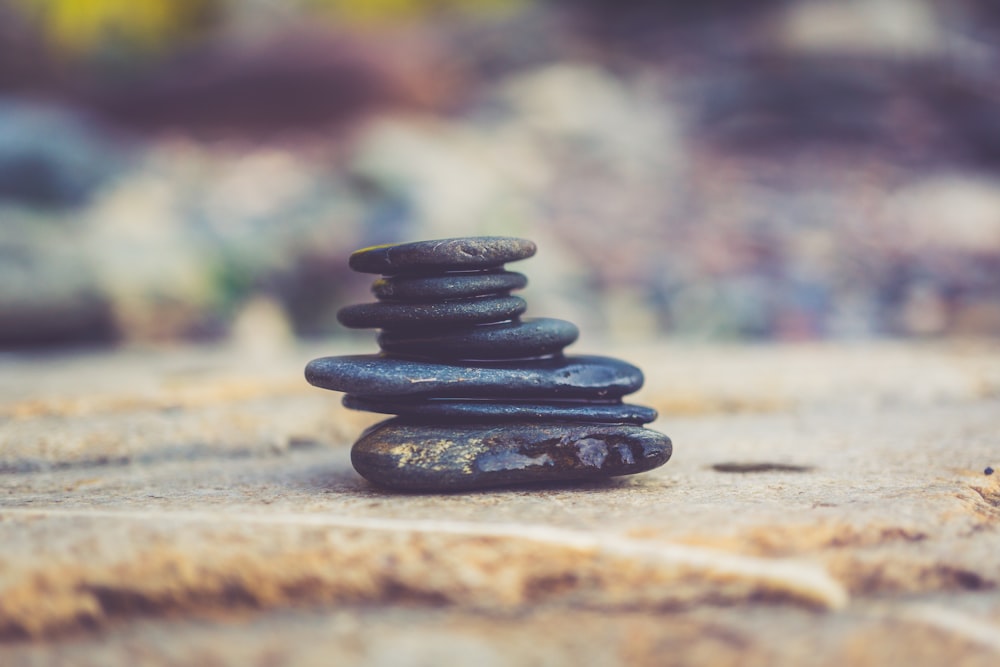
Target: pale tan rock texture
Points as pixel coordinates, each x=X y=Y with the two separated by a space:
x=825 y=505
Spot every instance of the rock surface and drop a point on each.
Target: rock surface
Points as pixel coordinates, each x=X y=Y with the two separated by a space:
x=198 y=507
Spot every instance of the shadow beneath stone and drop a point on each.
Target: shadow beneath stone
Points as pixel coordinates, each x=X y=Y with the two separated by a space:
x=534 y=489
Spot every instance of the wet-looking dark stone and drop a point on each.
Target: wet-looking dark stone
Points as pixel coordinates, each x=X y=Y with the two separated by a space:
x=448 y=286
x=600 y=378
x=483 y=398
x=385 y=315
x=478 y=252
x=421 y=457
x=507 y=340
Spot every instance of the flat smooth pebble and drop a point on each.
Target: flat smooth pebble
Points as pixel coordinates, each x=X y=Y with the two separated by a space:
x=508 y=340
x=491 y=410
x=555 y=378
x=386 y=315
x=447 y=286
x=463 y=253
x=411 y=457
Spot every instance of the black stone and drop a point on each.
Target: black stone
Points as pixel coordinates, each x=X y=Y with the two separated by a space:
x=556 y=378
x=468 y=253
x=447 y=411
x=447 y=286
x=508 y=340
x=483 y=398
x=414 y=457
x=386 y=315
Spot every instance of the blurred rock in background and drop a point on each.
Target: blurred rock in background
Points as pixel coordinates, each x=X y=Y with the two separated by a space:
x=787 y=170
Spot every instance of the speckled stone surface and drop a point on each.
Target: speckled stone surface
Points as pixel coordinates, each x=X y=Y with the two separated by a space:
x=447 y=286
x=408 y=316
x=531 y=337
x=443 y=410
x=422 y=457
x=471 y=253
x=564 y=377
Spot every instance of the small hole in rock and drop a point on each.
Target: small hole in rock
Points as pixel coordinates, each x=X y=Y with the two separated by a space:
x=761 y=466
x=302 y=442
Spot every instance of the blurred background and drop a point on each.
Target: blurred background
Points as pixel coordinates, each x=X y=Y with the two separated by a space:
x=199 y=170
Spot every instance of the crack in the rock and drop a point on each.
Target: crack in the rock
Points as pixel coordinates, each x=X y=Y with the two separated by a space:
x=467 y=564
x=171 y=454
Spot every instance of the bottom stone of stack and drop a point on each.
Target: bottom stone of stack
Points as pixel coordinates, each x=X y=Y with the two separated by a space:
x=403 y=455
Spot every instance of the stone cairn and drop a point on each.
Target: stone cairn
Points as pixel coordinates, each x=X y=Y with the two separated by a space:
x=483 y=397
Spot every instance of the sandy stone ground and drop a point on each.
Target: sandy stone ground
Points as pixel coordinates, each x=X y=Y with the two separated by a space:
x=825 y=505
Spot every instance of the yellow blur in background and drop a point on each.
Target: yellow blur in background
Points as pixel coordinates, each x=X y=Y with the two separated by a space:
x=81 y=26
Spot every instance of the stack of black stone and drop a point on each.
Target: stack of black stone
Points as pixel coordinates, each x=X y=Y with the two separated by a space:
x=483 y=397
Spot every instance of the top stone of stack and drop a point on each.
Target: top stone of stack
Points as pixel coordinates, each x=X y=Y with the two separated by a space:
x=457 y=254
